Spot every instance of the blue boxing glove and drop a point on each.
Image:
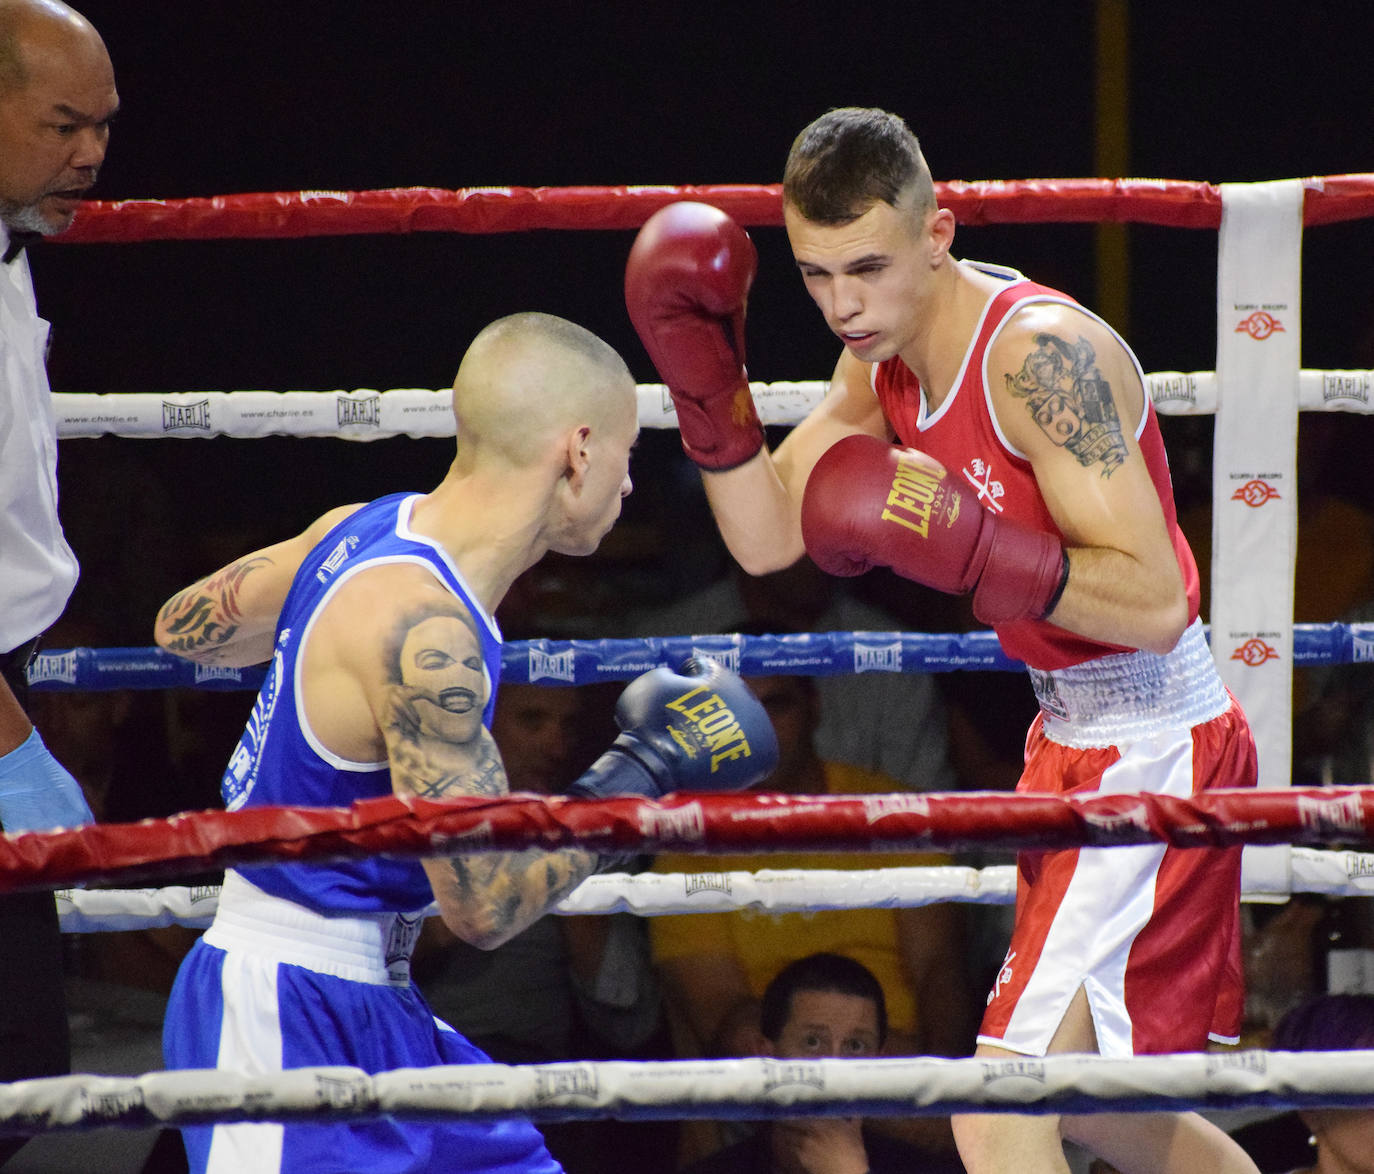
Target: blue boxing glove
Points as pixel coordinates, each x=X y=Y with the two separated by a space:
x=36 y=791
x=697 y=729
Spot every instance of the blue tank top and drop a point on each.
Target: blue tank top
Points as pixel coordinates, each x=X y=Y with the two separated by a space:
x=278 y=760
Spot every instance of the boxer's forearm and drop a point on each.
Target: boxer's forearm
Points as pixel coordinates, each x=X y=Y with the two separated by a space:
x=219 y=619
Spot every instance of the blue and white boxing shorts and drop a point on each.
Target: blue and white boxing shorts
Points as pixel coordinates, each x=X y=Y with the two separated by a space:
x=273 y=985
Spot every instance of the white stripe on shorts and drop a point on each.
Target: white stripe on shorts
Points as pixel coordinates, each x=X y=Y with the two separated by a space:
x=249 y=1041
x=1107 y=903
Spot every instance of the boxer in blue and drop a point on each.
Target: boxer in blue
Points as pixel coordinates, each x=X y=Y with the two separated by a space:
x=377 y=623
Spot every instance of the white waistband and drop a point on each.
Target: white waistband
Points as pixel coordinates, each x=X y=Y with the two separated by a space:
x=1131 y=695
x=373 y=948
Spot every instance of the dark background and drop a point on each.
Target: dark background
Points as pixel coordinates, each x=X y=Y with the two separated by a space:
x=224 y=97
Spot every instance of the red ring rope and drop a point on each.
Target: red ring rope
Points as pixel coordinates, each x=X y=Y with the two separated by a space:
x=1172 y=203
x=685 y=823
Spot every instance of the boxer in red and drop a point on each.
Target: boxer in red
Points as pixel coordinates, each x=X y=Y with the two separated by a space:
x=986 y=434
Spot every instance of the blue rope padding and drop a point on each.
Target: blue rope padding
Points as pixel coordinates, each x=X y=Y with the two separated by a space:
x=583 y=662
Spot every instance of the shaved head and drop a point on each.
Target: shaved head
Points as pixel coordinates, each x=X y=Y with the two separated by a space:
x=528 y=379
x=35 y=26
x=57 y=97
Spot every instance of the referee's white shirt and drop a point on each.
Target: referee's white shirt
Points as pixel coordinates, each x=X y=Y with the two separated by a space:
x=37 y=568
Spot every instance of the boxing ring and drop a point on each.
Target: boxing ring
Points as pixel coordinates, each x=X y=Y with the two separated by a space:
x=1255 y=393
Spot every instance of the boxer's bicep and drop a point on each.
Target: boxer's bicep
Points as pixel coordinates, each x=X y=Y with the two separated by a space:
x=429 y=692
x=230 y=616
x=430 y=705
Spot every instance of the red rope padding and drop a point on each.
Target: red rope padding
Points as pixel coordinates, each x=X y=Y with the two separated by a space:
x=1173 y=203
x=199 y=841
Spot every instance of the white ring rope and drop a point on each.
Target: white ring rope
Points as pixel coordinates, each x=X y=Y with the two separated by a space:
x=750 y=1089
x=112 y=910
x=368 y=414
x=655 y=894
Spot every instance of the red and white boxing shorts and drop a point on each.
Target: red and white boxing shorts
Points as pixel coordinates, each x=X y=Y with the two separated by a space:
x=1150 y=932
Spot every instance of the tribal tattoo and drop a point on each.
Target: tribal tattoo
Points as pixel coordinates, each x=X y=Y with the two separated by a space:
x=206 y=615
x=1071 y=401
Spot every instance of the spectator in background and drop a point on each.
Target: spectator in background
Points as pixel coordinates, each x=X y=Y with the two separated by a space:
x=1343 y=1139
x=714 y=966
x=818 y=1006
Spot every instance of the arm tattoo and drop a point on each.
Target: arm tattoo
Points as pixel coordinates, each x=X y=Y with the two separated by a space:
x=438 y=748
x=516 y=887
x=1071 y=402
x=206 y=615
x=437 y=692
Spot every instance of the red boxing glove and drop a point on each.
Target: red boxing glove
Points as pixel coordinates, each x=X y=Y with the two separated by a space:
x=686 y=284
x=870 y=504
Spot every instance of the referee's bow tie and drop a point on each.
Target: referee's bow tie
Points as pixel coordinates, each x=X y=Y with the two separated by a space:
x=18 y=240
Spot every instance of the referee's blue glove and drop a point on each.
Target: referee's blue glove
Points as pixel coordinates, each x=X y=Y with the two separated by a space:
x=37 y=792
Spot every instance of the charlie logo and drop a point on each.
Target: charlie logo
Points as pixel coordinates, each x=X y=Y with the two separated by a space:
x=1173 y=387
x=1004 y=1069
x=713 y=727
x=113 y=1106
x=217 y=672
x=706 y=882
x=359 y=410
x=792 y=1073
x=572 y=1080
x=728 y=657
x=1219 y=1062
x=878 y=806
x=342 y=1093
x=878 y=658
x=1331 y=816
x=337 y=557
x=1255 y=493
x=554 y=666
x=1357 y=864
x=53 y=666
x=978 y=473
x=195 y=416
x=1259 y=325
x=198 y=893
x=685 y=824
x=1255 y=652
x=1346 y=385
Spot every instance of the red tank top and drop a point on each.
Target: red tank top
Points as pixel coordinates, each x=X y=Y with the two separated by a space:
x=963 y=436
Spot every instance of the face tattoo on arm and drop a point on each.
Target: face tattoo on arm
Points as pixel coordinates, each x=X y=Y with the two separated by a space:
x=1071 y=402
x=439 y=749
x=438 y=690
